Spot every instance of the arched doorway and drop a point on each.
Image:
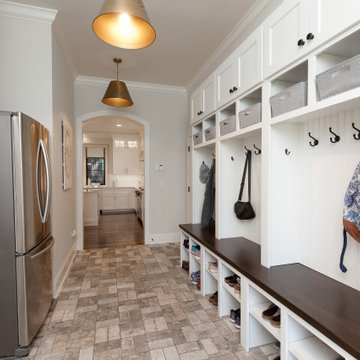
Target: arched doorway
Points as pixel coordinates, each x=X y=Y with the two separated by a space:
x=79 y=168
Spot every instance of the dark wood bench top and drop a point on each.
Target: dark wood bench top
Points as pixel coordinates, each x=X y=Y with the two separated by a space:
x=328 y=305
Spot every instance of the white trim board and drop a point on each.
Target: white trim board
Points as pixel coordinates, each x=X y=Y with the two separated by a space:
x=59 y=281
x=27 y=12
x=96 y=81
x=163 y=238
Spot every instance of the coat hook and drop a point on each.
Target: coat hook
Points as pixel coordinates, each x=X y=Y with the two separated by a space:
x=232 y=158
x=247 y=150
x=287 y=152
x=356 y=136
x=337 y=137
x=316 y=141
x=258 y=152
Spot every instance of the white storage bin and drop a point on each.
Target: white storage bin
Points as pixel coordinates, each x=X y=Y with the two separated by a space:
x=340 y=78
x=210 y=133
x=198 y=138
x=228 y=125
x=290 y=99
x=250 y=116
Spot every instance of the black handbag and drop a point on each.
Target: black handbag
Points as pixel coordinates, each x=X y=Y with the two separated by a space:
x=243 y=209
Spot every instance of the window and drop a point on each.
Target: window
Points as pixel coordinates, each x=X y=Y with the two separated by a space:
x=95 y=170
x=132 y=144
x=119 y=143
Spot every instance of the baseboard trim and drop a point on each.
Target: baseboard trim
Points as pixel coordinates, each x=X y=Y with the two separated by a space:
x=163 y=238
x=64 y=271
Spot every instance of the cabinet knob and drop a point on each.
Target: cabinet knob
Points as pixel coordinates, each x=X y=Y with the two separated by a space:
x=235 y=88
x=301 y=42
x=310 y=36
x=231 y=91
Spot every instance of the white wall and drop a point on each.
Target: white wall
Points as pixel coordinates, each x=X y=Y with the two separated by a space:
x=165 y=110
x=63 y=202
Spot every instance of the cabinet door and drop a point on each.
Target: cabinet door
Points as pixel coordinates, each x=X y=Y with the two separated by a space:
x=107 y=202
x=329 y=17
x=208 y=90
x=249 y=61
x=283 y=30
x=132 y=161
x=121 y=200
x=132 y=199
x=119 y=161
x=196 y=105
x=226 y=78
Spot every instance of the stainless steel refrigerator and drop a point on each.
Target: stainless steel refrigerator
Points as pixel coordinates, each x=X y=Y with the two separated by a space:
x=25 y=231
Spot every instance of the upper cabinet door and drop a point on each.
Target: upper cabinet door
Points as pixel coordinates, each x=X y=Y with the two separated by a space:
x=248 y=59
x=208 y=89
x=327 y=18
x=196 y=105
x=226 y=78
x=285 y=33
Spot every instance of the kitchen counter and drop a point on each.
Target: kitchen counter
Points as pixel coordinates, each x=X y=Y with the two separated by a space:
x=91 y=210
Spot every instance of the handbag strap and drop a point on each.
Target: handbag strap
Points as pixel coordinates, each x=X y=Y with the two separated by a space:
x=247 y=166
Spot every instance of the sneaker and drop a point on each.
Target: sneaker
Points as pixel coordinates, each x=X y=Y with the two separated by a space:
x=186 y=243
x=198 y=284
x=233 y=314
x=270 y=312
x=185 y=265
x=230 y=278
x=275 y=321
x=214 y=298
x=238 y=322
x=213 y=266
x=277 y=358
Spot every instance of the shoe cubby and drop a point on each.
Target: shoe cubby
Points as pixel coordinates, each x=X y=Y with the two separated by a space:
x=210 y=277
x=302 y=344
x=201 y=155
x=340 y=61
x=261 y=331
x=227 y=118
x=184 y=251
x=232 y=161
x=250 y=109
x=289 y=90
x=195 y=260
x=230 y=299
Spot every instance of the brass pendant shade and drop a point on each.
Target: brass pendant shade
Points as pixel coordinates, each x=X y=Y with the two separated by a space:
x=117 y=94
x=124 y=24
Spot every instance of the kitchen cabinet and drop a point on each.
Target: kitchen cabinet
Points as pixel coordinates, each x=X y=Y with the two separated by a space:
x=117 y=198
x=298 y=26
x=91 y=207
x=196 y=105
x=241 y=70
x=126 y=160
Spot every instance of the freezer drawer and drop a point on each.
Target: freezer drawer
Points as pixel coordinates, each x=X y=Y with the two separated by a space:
x=34 y=274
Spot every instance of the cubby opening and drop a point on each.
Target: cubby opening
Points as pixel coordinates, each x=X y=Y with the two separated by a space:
x=195 y=259
x=209 y=125
x=210 y=277
x=303 y=345
x=333 y=56
x=307 y=189
x=233 y=156
x=228 y=119
x=201 y=155
x=249 y=108
x=289 y=90
x=198 y=134
x=184 y=249
x=230 y=299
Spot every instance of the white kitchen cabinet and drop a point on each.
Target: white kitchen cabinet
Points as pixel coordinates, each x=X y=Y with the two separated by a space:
x=121 y=199
x=126 y=160
x=117 y=198
x=298 y=26
x=196 y=105
x=241 y=70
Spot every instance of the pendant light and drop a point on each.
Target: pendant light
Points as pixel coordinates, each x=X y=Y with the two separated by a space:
x=117 y=93
x=124 y=24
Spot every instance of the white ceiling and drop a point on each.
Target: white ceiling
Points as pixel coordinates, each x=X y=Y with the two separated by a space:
x=105 y=126
x=187 y=32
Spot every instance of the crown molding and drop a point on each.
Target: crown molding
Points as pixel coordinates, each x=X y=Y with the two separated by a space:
x=243 y=28
x=27 y=12
x=95 y=81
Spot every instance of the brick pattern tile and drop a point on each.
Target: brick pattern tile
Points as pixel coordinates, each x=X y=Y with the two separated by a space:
x=135 y=303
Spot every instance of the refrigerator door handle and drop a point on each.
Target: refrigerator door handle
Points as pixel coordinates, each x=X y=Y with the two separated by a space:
x=48 y=180
x=52 y=242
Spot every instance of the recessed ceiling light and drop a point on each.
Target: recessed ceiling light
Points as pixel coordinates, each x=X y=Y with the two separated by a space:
x=118 y=125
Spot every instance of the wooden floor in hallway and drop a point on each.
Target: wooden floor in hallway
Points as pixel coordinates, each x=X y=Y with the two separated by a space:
x=114 y=229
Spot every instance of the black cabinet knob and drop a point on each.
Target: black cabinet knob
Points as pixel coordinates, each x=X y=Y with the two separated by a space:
x=301 y=42
x=235 y=88
x=310 y=36
x=231 y=91
x=200 y=112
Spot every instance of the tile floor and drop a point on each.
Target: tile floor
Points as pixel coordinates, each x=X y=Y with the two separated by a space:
x=133 y=303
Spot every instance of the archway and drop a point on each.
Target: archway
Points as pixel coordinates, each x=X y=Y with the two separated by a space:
x=78 y=171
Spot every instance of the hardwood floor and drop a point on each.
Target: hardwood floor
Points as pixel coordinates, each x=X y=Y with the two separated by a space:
x=114 y=229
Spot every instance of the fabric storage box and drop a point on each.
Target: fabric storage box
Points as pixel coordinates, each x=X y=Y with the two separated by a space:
x=210 y=133
x=250 y=116
x=340 y=78
x=290 y=99
x=228 y=125
x=197 y=138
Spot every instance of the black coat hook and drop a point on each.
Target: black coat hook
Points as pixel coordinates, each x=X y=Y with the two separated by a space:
x=247 y=150
x=258 y=151
x=336 y=138
x=287 y=152
x=316 y=141
x=356 y=136
x=232 y=158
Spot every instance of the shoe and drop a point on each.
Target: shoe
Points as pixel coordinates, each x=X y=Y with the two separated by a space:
x=270 y=312
x=213 y=267
x=275 y=321
x=185 y=265
x=198 y=284
x=277 y=358
x=277 y=345
x=237 y=288
x=229 y=278
x=238 y=322
x=214 y=298
x=195 y=250
x=186 y=243
x=233 y=314
x=195 y=275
